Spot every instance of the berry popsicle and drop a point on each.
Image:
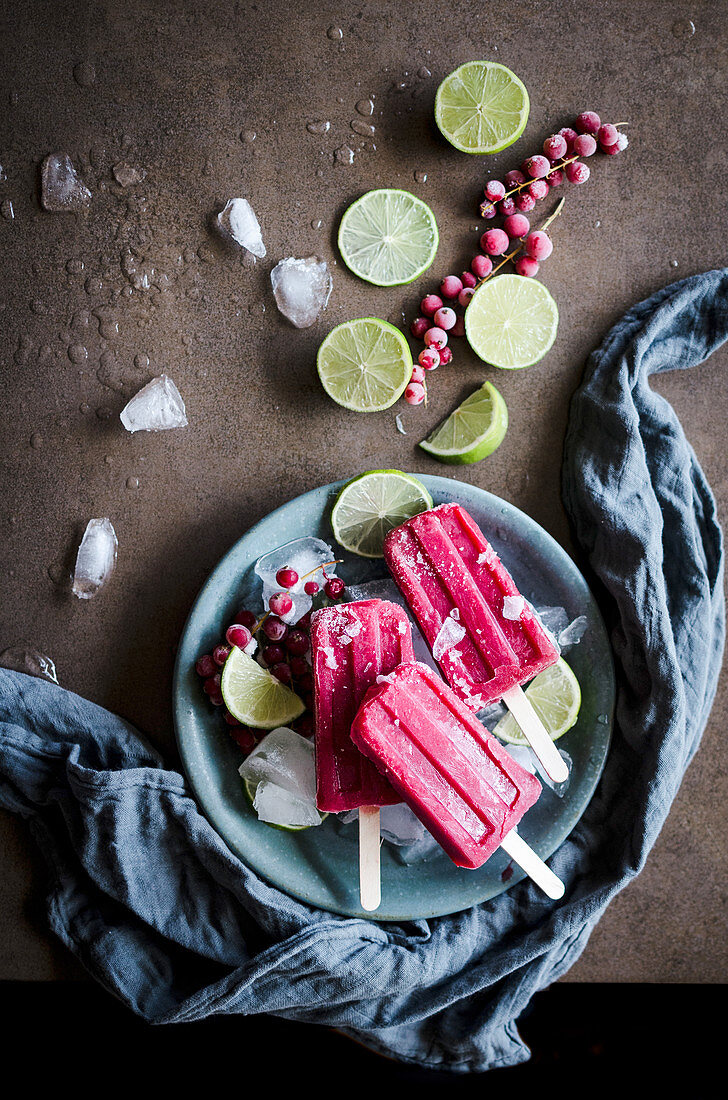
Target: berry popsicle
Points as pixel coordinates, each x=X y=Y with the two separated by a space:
x=484 y=636
x=352 y=645
x=454 y=775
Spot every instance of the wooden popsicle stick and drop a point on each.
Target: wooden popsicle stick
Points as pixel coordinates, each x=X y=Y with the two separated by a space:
x=370 y=889
x=536 y=734
x=533 y=865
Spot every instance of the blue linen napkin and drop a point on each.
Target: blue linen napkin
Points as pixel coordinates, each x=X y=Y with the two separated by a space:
x=150 y=899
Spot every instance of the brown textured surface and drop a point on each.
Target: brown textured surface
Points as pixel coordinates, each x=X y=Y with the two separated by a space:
x=173 y=92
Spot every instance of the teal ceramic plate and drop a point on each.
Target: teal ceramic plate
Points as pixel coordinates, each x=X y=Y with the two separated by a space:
x=320 y=865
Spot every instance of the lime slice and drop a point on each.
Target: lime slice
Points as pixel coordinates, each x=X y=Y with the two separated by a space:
x=370 y=505
x=482 y=107
x=388 y=237
x=254 y=696
x=365 y=364
x=472 y=431
x=511 y=321
x=555 y=696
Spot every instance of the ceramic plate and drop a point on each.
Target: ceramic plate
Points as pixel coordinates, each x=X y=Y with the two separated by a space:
x=320 y=865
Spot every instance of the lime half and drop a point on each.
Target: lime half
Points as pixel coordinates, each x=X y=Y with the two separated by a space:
x=482 y=107
x=511 y=321
x=254 y=696
x=472 y=431
x=365 y=364
x=388 y=237
x=555 y=696
x=370 y=505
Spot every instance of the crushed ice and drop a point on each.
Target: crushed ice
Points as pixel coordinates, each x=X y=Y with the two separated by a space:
x=96 y=558
x=157 y=407
x=526 y=757
x=307 y=556
x=301 y=288
x=450 y=634
x=30 y=661
x=61 y=190
x=237 y=221
x=512 y=607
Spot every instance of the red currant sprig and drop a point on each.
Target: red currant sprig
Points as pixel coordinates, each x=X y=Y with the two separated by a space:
x=513 y=198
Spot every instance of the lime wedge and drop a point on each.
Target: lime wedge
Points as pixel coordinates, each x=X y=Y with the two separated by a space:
x=472 y=431
x=511 y=321
x=482 y=107
x=254 y=696
x=365 y=364
x=370 y=505
x=388 y=237
x=555 y=696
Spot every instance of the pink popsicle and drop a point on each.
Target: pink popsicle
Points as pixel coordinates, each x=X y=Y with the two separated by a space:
x=444 y=763
x=352 y=644
x=484 y=636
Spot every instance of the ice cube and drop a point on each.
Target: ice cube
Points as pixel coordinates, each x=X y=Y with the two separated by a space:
x=399 y=825
x=96 y=558
x=306 y=556
x=126 y=174
x=512 y=607
x=573 y=633
x=285 y=758
x=278 y=806
x=238 y=221
x=526 y=757
x=450 y=634
x=155 y=408
x=301 y=288
x=30 y=661
x=61 y=189
x=553 y=619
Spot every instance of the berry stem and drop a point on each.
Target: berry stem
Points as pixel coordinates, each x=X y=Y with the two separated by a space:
x=555 y=213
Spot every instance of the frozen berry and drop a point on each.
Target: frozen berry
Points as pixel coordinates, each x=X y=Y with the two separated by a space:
x=220 y=654
x=539 y=189
x=568 y=135
x=494 y=242
x=507 y=206
x=334 y=587
x=556 y=178
x=464 y=297
x=297 y=643
x=527 y=266
x=525 y=202
x=274 y=628
x=280 y=603
x=608 y=134
x=436 y=337
x=468 y=279
x=216 y=699
x=494 y=190
x=287 y=577
x=488 y=210
x=304 y=623
x=584 y=145
x=450 y=287
x=445 y=318
x=282 y=672
x=446 y=354
x=429 y=358
x=517 y=225
x=539 y=245
x=418 y=373
x=246 y=618
x=272 y=654
x=299 y=666
x=419 y=327
x=430 y=305
x=244 y=737
x=205 y=666
x=231 y=719
x=555 y=147
x=211 y=685
x=238 y=635
x=513 y=179
x=538 y=166
x=588 y=122
x=459 y=329
x=481 y=266
x=306 y=681
x=577 y=172
x=415 y=393
x=620 y=144
x=311 y=588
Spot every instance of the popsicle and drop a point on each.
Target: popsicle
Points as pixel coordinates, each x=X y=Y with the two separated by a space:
x=455 y=776
x=351 y=645
x=485 y=637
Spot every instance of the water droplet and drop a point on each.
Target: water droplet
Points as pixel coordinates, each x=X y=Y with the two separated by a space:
x=141 y=361
x=81 y=320
x=316 y=223
x=108 y=460
x=77 y=353
x=104 y=412
x=359 y=126
x=364 y=107
x=84 y=74
x=423 y=72
x=6 y=209
x=674 y=263
x=74 y=267
x=59 y=574
x=603 y=719
x=132 y=483
x=93 y=285
x=344 y=155
x=400 y=86
x=334 y=33
x=205 y=253
x=683 y=28
x=45 y=352
x=84 y=408
x=248 y=136
x=318 y=126
x=36 y=441
x=420 y=176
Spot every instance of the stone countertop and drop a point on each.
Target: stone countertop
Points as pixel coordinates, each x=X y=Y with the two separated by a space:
x=213 y=101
